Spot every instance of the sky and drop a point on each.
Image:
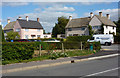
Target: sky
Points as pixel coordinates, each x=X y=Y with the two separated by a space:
x=48 y=12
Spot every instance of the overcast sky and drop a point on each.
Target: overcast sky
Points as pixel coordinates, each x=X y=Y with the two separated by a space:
x=49 y=12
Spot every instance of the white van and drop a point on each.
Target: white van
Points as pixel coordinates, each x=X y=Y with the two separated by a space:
x=107 y=39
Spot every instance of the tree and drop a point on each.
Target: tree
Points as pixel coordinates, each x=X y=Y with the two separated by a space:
x=118 y=26
x=91 y=32
x=60 y=26
x=12 y=35
x=2 y=34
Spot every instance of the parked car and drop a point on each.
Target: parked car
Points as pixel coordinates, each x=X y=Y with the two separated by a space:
x=52 y=40
x=23 y=40
x=34 y=40
x=107 y=39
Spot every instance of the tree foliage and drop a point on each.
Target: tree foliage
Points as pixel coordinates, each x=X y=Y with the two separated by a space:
x=118 y=26
x=102 y=29
x=2 y=34
x=91 y=32
x=12 y=35
x=60 y=26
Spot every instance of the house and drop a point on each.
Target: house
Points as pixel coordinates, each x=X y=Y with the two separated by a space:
x=79 y=26
x=60 y=35
x=27 y=29
x=47 y=35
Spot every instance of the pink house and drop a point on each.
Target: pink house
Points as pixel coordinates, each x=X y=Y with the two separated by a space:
x=27 y=29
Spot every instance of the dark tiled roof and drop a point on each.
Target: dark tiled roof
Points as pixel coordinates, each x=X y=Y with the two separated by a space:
x=79 y=22
x=105 y=20
x=29 y=24
x=10 y=25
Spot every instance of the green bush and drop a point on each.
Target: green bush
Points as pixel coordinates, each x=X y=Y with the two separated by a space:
x=78 y=38
x=116 y=39
x=17 y=51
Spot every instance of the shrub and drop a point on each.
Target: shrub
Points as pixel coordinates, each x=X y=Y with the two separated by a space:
x=17 y=51
x=117 y=39
x=78 y=38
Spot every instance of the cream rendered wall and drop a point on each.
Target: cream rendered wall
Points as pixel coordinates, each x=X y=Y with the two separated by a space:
x=16 y=26
x=31 y=32
x=95 y=22
x=77 y=31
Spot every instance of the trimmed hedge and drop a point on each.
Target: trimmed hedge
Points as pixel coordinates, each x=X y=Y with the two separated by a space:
x=25 y=50
x=78 y=38
x=17 y=51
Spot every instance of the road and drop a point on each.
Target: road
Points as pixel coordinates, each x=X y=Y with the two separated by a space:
x=100 y=67
x=112 y=47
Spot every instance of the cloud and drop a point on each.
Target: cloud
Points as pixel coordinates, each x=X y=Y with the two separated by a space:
x=48 y=16
x=13 y=4
x=60 y=9
x=113 y=13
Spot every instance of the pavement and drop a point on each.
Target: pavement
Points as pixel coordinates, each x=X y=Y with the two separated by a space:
x=97 y=67
x=60 y=61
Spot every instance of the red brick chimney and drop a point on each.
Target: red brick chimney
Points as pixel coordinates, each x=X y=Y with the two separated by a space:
x=37 y=19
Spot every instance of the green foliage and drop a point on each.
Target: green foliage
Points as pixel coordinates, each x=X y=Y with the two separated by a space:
x=118 y=27
x=60 y=26
x=102 y=29
x=12 y=35
x=0 y=33
x=117 y=39
x=78 y=38
x=17 y=51
x=2 y=38
x=91 y=32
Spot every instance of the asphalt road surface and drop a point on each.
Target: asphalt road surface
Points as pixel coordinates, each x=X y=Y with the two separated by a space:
x=112 y=47
x=100 y=67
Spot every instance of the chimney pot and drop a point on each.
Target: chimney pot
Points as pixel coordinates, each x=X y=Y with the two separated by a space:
x=8 y=21
x=108 y=16
x=37 y=19
x=100 y=14
x=27 y=18
x=91 y=15
x=70 y=18
x=19 y=18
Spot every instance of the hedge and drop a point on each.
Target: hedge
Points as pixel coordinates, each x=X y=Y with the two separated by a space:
x=25 y=50
x=78 y=38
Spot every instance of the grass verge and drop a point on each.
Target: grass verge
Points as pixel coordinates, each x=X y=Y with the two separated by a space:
x=45 y=57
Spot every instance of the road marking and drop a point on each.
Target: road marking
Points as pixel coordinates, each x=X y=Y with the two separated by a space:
x=102 y=72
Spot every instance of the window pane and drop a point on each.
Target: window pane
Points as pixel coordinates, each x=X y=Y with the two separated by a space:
x=26 y=29
x=18 y=29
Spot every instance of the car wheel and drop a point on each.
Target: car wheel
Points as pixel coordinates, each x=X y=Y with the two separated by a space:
x=106 y=43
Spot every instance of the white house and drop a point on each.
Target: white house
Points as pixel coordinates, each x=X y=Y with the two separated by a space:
x=79 y=26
